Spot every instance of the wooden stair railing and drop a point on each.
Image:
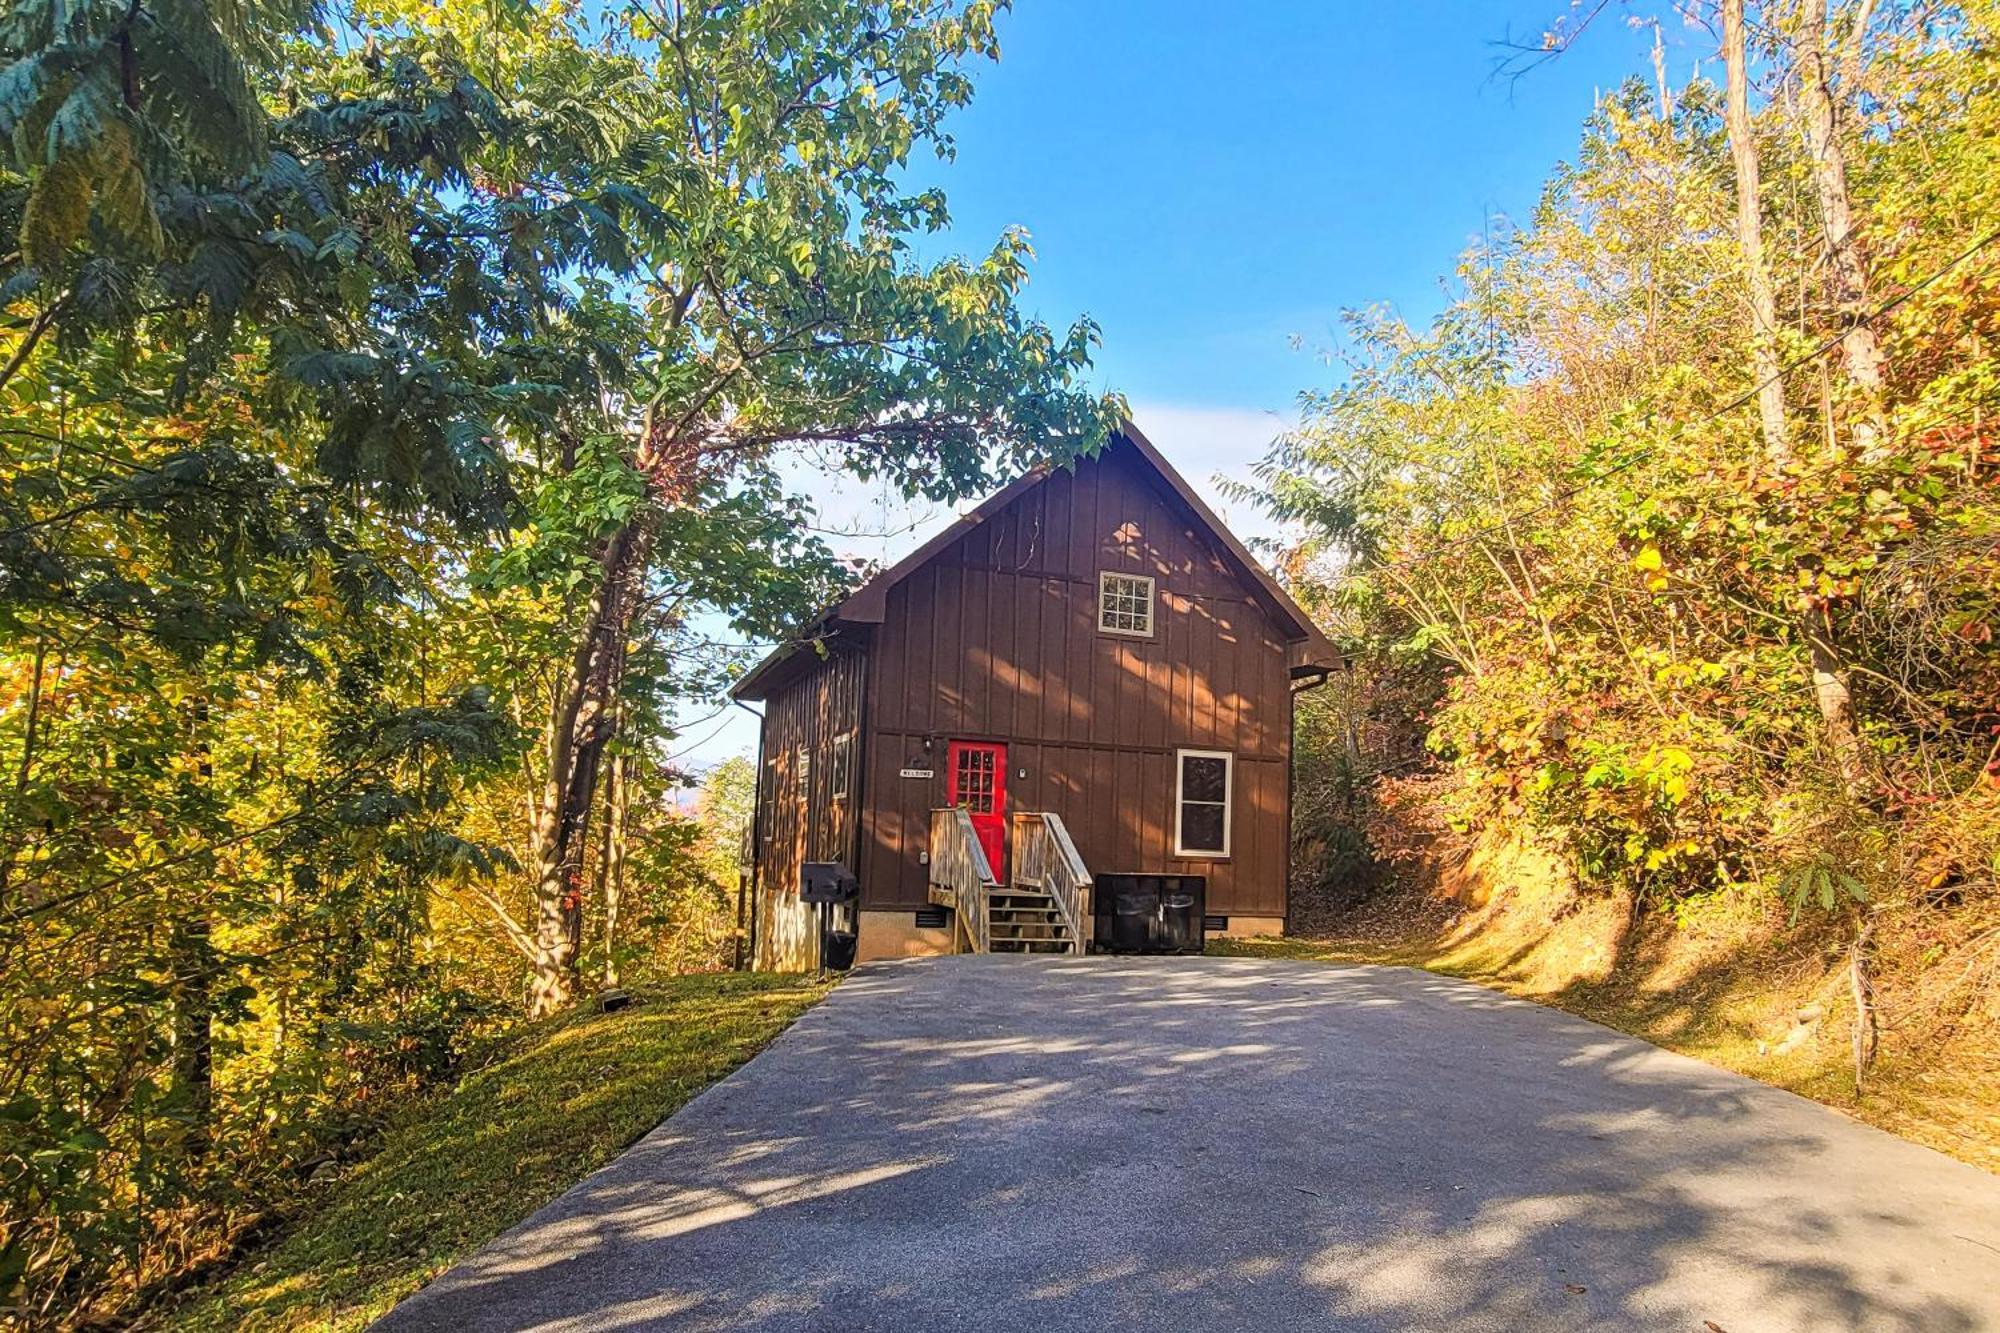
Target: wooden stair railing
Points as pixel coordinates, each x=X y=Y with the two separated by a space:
x=1047 y=864
x=1045 y=903
x=960 y=876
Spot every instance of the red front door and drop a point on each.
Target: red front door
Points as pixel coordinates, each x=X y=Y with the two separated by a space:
x=976 y=778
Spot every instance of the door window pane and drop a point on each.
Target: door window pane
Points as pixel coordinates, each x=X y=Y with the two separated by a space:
x=975 y=781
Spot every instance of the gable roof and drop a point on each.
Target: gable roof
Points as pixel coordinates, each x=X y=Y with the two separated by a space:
x=1312 y=654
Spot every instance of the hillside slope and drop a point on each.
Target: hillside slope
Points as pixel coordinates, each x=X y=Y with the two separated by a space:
x=551 y=1105
x=1733 y=983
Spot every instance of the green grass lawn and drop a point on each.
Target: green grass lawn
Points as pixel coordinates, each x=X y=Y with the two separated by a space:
x=559 y=1100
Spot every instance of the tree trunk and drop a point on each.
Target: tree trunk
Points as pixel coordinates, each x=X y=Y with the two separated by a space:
x=1860 y=351
x=612 y=872
x=1660 y=74
x=192 y=958
x=579 y=730
x=30 y=735
x=1830 y=689
x=1836 y=703
x=1861 y=982
x=1750 y=240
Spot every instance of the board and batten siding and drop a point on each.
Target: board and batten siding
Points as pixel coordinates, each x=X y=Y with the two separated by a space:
x=996 y=638
x=802 y=822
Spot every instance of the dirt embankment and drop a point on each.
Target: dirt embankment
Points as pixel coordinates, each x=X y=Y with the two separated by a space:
x=1730 y=979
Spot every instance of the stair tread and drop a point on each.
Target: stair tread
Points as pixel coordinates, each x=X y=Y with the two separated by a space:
x=1024 y=916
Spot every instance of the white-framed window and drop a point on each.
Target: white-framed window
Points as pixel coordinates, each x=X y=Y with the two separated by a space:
x=843 y=765
x=802 y=770
x=1125 y=604
x=1204 y=801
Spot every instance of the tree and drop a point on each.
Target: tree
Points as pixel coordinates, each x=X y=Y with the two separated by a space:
x=785 y=309
x=1641 y=612
x=1829 y=673
x=611 y=875
x=1750 y=238
x=1822 y=75
x=725 y=806
x=381 y=409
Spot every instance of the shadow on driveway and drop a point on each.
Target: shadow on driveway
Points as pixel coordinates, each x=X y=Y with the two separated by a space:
x=987 y=1142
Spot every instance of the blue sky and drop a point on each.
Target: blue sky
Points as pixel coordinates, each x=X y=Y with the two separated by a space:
x=1213 y=182
x=1209 y=180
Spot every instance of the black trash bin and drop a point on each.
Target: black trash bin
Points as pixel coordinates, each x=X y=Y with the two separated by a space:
x=1180 y=928
x=1131 y=924
x=837 y=949
x=836 y=894
x=1151 y=913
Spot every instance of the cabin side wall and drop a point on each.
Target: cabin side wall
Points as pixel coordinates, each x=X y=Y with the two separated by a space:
x=997 y=639
x=807 y=812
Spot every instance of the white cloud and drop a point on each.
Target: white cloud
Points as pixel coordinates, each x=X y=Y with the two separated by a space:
x=1203 y=442
x=865 y=520
x=872 y=522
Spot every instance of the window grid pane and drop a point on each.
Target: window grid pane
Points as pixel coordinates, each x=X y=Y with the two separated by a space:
x=1125 y=604
x=975 y=781
x=1201 y=826
x=1205 y=780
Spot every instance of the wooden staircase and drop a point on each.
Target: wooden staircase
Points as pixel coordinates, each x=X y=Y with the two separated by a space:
x=1045 y=906
x=1024 y=918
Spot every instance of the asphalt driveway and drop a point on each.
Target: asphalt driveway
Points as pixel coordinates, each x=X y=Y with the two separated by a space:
x=991 y=1143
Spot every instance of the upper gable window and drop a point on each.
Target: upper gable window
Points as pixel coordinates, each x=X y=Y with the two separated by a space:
x=1125 y=604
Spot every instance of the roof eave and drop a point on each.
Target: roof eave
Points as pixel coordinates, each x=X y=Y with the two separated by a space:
x=773 y=671
x=1308 y=644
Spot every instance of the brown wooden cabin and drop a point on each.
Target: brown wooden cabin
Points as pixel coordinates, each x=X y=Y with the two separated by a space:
x=1086 y=675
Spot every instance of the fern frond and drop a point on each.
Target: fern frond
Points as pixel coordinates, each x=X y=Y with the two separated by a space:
x=205 y=79
x=58 y=210
x=124 y=204
x=81 y=118
x=22 y=85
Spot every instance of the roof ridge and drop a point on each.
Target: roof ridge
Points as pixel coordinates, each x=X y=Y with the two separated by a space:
x=868 y=604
